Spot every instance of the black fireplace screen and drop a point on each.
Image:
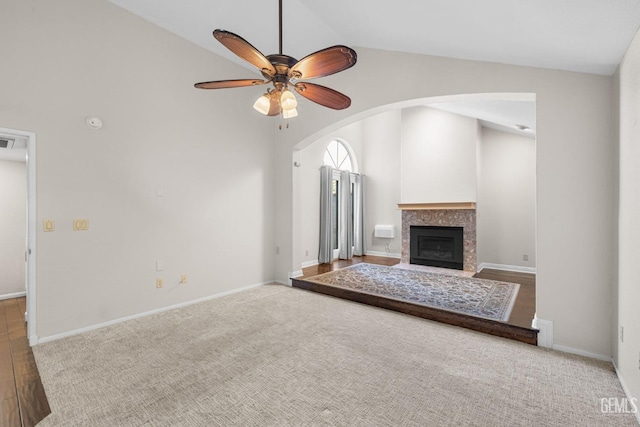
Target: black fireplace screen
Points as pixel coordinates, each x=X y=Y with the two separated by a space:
x=437 y=246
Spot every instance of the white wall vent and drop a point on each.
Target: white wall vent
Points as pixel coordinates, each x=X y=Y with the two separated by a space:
x=384 y=231
x=6 y=143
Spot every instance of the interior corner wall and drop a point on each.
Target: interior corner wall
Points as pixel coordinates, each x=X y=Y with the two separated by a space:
x=438 y=162
x=381 y=135
x=179 y=176
x=506 y=221
x=13 y=226
x=628 y=292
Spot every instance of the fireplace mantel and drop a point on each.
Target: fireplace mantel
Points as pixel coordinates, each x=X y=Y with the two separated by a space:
x=435 y=206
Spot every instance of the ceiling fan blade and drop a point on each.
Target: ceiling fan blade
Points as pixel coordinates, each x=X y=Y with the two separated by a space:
x=245 y=50
x=324 y=63
x=224 y=84
x=323 y=95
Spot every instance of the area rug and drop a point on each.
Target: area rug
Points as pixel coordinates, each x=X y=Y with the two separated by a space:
x=488 y=299
x=435 y=270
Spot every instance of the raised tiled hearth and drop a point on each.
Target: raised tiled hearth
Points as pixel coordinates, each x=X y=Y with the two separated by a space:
x=433 y=216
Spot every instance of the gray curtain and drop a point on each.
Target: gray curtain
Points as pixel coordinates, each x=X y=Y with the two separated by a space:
x=345 y=218
x=358 y=216
x=325 y=252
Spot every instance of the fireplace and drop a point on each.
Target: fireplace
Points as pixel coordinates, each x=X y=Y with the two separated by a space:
x=437 y=246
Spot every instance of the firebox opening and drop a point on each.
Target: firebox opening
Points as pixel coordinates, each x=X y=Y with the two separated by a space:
x=437 y=246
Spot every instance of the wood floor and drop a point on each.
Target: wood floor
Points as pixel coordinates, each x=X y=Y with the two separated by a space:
x=518 y=327
x=23 y=402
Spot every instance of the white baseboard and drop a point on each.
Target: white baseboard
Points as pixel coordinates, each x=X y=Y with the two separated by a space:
x=295 y=274
x=311 y=263
x=504 y=267
x=36 y=340
x=385 y=254
x=14 y=295
x=545 y=339
x=570 y=350
x=545 y=336
x=626 y=390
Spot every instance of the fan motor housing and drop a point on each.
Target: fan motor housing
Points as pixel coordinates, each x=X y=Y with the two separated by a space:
x=282 y=64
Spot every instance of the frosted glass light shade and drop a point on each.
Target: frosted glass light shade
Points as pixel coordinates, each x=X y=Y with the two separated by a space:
x=262 y=105
x=288 y=101
x=287 y=114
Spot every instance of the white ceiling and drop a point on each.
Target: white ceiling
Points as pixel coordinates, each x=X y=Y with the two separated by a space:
x=575 y=35
x=499 y=114
x=588 y=36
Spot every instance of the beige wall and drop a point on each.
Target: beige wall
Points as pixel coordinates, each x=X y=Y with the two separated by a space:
x=575 y=172
x=438 y=156
x=13 y=226
x=506 y=209
x=211 y=156
x=381 y=136
x=627 y=292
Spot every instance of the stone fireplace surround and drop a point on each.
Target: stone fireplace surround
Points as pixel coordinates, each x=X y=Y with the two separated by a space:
x=443 y=215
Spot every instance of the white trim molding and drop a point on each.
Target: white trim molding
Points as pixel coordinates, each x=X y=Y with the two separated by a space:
x=545 y=336
x=545 y=339
x=385 y=254
x=311 y=263
x=31 y=251
x=504 y=267
x=626 y=390
x=146 y=313
x=295 y=274
x=579 y=352
x=14 y=295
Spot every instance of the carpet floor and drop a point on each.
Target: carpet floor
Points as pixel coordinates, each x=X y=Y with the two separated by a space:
x=277 y=356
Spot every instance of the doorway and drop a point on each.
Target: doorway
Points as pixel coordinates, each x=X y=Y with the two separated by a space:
x=29 y=139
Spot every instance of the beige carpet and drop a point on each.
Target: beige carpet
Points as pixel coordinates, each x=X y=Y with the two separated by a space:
x=277 y=356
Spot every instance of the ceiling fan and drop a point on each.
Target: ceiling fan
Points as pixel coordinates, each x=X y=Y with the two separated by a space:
x=284 y=72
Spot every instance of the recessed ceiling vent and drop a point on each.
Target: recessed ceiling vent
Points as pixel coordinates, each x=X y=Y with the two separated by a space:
x=6 y=143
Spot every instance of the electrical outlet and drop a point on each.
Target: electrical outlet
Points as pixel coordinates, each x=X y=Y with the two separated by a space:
x=80 y=224
x=277 y=250
x=525 y=257
x=159 y=283
x=49 y=225
x=306 y=253
x=183 y=279
x=621 y=333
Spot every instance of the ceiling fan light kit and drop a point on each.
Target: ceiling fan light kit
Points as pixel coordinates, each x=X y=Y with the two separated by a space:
x=284 y=71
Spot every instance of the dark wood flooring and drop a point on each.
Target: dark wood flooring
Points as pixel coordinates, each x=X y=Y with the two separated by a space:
x=518 y=327
x=23 y=402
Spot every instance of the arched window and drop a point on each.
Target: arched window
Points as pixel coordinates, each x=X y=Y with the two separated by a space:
x=338 y=155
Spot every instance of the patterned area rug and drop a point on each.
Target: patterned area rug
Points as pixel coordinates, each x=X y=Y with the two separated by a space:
x=487 y=299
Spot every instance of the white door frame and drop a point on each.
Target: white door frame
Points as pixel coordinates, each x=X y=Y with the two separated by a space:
x=32 y=331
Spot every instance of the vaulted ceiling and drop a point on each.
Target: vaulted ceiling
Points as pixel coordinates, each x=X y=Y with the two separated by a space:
x=588 y=36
